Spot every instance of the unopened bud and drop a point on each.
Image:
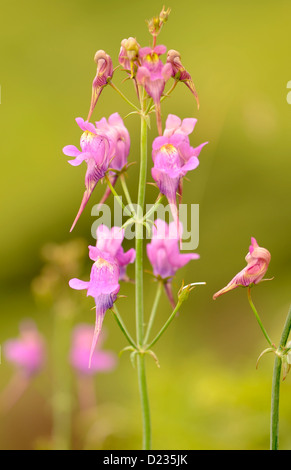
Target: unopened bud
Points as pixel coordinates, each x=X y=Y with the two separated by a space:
x=128 y=54
x=164 y=15
x=103 y=75
x=180 y=73
x=155 y=24
x=184 y=291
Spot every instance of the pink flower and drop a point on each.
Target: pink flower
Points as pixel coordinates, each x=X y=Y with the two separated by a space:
x=109 y=241
x=153 y=75
x=97 y=150
x=103 y=287
x=116 y=131
x=164 y=254
x=28 y=350
x=180 y=73
x=163 y=250
x=103 y=75
x=258 y=260
x=101 y=361
x=174 y=125
x=173 y=157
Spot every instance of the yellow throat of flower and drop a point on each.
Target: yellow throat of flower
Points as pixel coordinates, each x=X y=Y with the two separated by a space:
x=103 y=263
x=168 y=149
x=153 y=58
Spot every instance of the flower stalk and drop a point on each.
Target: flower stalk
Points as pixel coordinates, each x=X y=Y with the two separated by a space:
x=274 y=431
x=105 y=147
x=259 y=320
x=141 y=370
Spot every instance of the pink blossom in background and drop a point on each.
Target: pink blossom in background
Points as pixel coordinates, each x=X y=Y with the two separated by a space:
x=97 y=150
x=258 y=260
x=28 y=351
x=103 y=287
x=101 y=361
x=109 y=241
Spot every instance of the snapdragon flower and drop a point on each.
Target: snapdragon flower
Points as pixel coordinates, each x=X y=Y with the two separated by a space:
x=152 y=74
x=103 y=286
x=109 y=241
x=164 y=254
x=116 y=131
x=97 y=150
x=258 y=260
x=173 y=157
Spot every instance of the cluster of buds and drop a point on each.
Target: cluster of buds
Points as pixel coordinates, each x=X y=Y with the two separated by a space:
x=156 y=23
x=144 y=66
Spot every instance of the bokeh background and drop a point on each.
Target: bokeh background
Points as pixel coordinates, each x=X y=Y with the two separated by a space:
x=207 y=393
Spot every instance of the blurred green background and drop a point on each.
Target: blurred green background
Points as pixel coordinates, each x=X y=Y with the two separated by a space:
x=207 y=393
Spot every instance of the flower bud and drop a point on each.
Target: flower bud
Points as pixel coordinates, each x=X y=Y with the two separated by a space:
x=128 y=54
x=164 y=15
x=180 y=73
x=103 y=75
x=258 y=260
x=155 y=24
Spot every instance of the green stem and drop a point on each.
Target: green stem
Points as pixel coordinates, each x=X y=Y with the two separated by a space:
x=124 y=97
x=258 y=318
x=153 y=208
x=139 y=287
x=145 y=406
x=117 y=196
x=274 y=434
x=163 y=329
x=126 y=193
x=153 y=312
x=122 y=326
